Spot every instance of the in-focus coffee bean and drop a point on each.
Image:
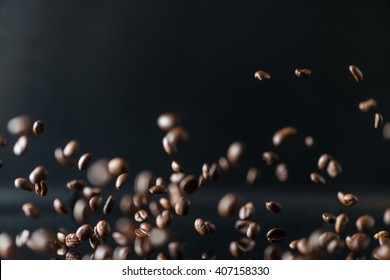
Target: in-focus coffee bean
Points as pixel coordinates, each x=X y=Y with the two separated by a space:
x=41 y=188
x=328 y=218
x=103 y=228
x=72 y=240
x=356 y=73
x=276 y=235
x=24 y=184
x=84 y=232
x=273 y=207
x=38 y=127
x=182 y=207
x=349 y=199
x=167 y=121
x=341 y=223
x=109 y=205
x=84 y=161
x=302 y=73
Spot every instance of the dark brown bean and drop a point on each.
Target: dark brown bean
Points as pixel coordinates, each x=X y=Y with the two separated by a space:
x=61 y=159
x=81 y=211
x=127 y=205
x=246 y=211
x=317 y=178
x=41 y=188
x=76 y=185
x=368 y=105
x=356 y=73
x=95 y=202
x=84 y=161
x=273 y=207
x=24 y=184
x=164 y=219
x=3 y=141
x=242 y=226
x=302 y=73
x=326 y=237
x=167 y=121
x=142 y=232
x=262 y=75
x=228 y=205
x=201 y=227
x=293 y=244
x=103 y=252
x=103 y=228
x=169 y=148
x=309 y=141
x=158 y=189
x=109 y=205
x=142 y=246
x=141 y=216
x=382 y=233
x=89 y=192
x=72 y=240
x=234 y=152
x=224 y=164
x=386 y=217
x=165 y=203
x=38 y=174
x=334 y=168
x=357 y=242
x=323 y=161
x=356 y=256
x=383 y=240
x=182 y=207
x=214 y=171
x=38 y=127
x=60 y=207
x=122 y=253
x=382 y=252
x=72 y=256
x=205 y=170
x=253 y=230
x=273 y=252
x=208 y=255
x=328 y=218
x=177 y=136
x=235 y=249
x=84 y=232
x=21 y=145
x=349 y=199
x=365 y=223
x=21 y=238
x=189 y=184
x=378 y=120
x=71 y=148
x=341 y=223
x=270 y=157
x=120 y=238
x=176 y=250
x=276 y=235
x=252 y=176
x=283 y=134
x=30 y=210
x=176 y=167
x=117 y=166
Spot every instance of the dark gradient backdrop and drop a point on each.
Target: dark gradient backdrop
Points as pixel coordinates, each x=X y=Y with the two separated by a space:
x=102 y=72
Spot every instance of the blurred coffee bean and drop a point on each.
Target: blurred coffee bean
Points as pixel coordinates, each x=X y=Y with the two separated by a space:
x=283 y=134
x=356 y=73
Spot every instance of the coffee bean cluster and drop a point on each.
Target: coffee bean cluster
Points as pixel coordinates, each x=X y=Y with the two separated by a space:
x=157 y=202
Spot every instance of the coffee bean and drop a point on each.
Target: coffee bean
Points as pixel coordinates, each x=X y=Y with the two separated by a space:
x=334 y=168
x=341 y=223
x=76 y=185
x=89 y=192
x=176 y=178
x=378 y=121
x=205 y=170
x=317 y=178
x=117 y=166
x=252 y=176
x=328 y=218
x=365 y=223
x=208 y=255
x=103 y=252
x=169 y=148
x=281 y=172
x=84 y=232
x=141 y=232
x=340 y=197
x=214 y=171
x=165 y=203
x=356 y=73
x=20 y=146
x=349 y=199
x=242 y=226
x=334 y=246
x=61 y=159
x=164 y=219
x=273 y=207
x=283 y=134
x=273 y=252
x=228 y=205
x=201 y=227
x=176 y=250
x=368 y=105
x=386 y=131
x=38 y=127
x=246 y=211
x=38 y=174
x=103 y=228
x=224 y=164
x=24 y=184
x=182 y=207
x=323 y=161
x=142 y=246
x=276 y=235
x=309 y=141
x=293 y=244
x=30 y=210
x=3 y=141
x=253 y=230
x=158 y=189
x=177 y=136
x=167 y=121
x=1 y=163
x=84 y=161
x=122 y=253
x=72 y=240
x=246 y=244
x=201 y=181
x=356 y=256
x=176 y=167
x=302 y=73
x=81 y=211
x=383 y=240
x=141 y=216
x=60 y=207
x=235 y=249
x=189 y=184
x=109 y=205
x=234 y=152
x=326 y=237
x=382 y=233
x=21 y=238
x=382 y=252
x=71 y=148
x=41 y=188
x=357 y=242
x=61 y=236
x=120 y=238
x=95 y=202
x=386 y=217
x=262 y=75
x=155 y=208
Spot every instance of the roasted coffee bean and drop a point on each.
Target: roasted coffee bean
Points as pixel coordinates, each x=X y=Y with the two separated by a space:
x=276 y=235
x=141 y=216
x=357 y=242
x=242 y=226
x=246 y=244
x=61 y=159
x=161 y=257
x=273 y=207
x=214 y=171
x=201 y=227
x=60 y=207
x=205 y=170
x=304 y=247
x=143 y=246
x=120 y=238
x=309 y=141
x=38 y=127
x=38 y=174
x=368 y=105
x=165 y=203
x=73 y=256
x=117 y=166
x=19 y=125
x=382 y=233
x=382 y=252
x=20 y=146
x=23 y=183
x=21 y=238
x=234 y=152
x=281 y=172
x=146 y=226
x=30 y=210
x=61 y=237
x=302 y=73
x=103 y=228
x=326 y=237
x=270 y=157
x=356 y=256
x=164 y=219
x=378 y=120
x=334 y=168
x=224 y=164
x=62 y=251
x=141 y=232
x=84 y=161
x=3 y=141
x=176 y=178
x=228 y=205
x=341 y=223
x=95 y=241
x=1 y=163
x=177 y=136
x=293 y=244
x=158 y=189
x=283 y=134
x=122 y=253
x=89 y=192
x=84 y=232
x=349 y=199
x=328 y=218
x=356 y=73
x=103 y=252
x=109 y=205
x=386 y=217
x=127 y=205
x=252 y=176
x=182 y=207
x=340 y=197
x=72 y=240
x=76 y=185
x=262 y=75
x=323 y=161
x=386 y=131
x=95 y=202
x=208 y=255
x=246 y=211
x=273 y=252
x=155 y=208
x=167 y=121
x=169 y=148
x=253 y=230
x=81 y=211
x=176 y=250
x=235 y=249
x=365 y=223
x=189 y=184
x=317 y=178
x=41 y=188
x=71 y=148
x=176 y=167
x=334 y=246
